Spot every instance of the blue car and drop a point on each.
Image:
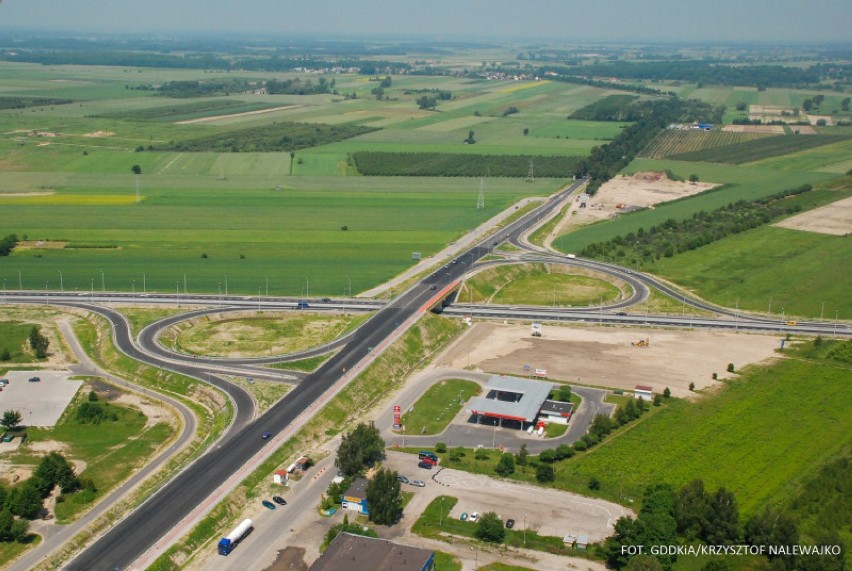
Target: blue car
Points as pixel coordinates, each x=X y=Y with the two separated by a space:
x=266 y=435
x=268 y=504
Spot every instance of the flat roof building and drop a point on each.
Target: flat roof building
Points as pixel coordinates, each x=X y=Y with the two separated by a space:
x=511 y=398
x=355 y=553
x=355 y=498
x=555 y=411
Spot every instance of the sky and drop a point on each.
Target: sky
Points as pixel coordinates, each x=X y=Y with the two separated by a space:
x=693 y=21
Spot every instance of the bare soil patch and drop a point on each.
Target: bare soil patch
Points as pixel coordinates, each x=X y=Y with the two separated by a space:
x=232 y=115
x=39 y=244
x=605 y=357
x=21 y=194
x=624 y=193
x=834 y=219
x=154 y=412
x=99 y=134
x=768 y=129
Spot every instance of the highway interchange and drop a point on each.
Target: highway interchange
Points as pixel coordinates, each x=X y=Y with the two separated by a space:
x=130 y=538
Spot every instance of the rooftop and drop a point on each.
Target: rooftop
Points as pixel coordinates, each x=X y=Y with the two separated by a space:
x=358 y=489
x=512 y=398
x=355 y=553
x=557 y=407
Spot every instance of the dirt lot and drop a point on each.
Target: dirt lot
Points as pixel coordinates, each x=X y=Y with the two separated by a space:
x=604 y=357
x=641 y=190
x=834 y=218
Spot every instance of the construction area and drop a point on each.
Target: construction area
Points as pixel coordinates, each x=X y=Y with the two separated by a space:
x=609 y=357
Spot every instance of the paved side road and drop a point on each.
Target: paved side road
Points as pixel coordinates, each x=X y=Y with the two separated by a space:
x=460 y=432
x=56 y=535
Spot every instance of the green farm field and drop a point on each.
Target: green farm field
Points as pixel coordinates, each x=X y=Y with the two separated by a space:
x=760 y=436
x=769 y=263
x=294 y=237
x=740 y=182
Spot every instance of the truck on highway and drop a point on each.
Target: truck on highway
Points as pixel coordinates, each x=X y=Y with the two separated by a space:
x=230 y=541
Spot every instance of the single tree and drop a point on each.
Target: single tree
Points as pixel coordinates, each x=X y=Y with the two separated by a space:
x=38 y=342
x=11 y=419
x=666 y=393
x=644 y=563
x=693 y=178
x=521 y=458
x=658 y=400
x=548 y=456
x=730 y=367
x=565 y=393
x=594 y=483
x=490 y=528
x=136 y=169
x=360 y=448
x=506 y=465
x=545 y=473
x=723 y=519
x=384 y=497
x=29 y=502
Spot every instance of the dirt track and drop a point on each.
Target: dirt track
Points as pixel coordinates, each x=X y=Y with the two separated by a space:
x=604 y=356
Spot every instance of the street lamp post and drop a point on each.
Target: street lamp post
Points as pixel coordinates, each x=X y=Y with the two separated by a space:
x=821 y=310
x=525 y=530
x=61 y=283
x=770 y=306
x=103 y=282
x=93 y=290
x=47 y=295
x=20 y=281
x=177 y=293
x=836 y=314
x=307 y=287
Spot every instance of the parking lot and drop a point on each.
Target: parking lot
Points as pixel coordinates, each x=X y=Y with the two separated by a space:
x=547 y=511
x=40 y=403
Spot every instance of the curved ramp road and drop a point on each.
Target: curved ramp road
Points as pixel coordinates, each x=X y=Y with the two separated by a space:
x=130 y=538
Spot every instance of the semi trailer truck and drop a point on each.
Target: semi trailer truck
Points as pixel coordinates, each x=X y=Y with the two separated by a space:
x=230 y=541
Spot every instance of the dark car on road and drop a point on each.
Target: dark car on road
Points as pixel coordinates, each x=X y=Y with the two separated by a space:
x=424 y=464
x=268 y=504
x=401 y=478
x=35 y=379
x=279 y=500
x=510 y=523
x=266 y=435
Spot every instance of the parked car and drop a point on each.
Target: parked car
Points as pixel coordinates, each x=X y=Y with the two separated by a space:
x=418 y=483
x=425 y=464
x=268 y=504
x=621 y=313
x=474 y=516
x=463 y=516
x=402 y=478
x=266 y=435
x=35 y=379
x=510 y=523
x=279 y=500
x=326 y=299
x=4 y=382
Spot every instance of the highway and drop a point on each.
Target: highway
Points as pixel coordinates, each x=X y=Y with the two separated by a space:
x=143 y=527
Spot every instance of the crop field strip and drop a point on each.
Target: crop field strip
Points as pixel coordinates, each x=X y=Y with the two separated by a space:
x=184 y=111
x=678 y=141
x=758 y=149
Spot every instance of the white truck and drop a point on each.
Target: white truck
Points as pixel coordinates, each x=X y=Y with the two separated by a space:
x=230 y=541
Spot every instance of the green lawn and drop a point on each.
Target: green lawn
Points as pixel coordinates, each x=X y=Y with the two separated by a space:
x=112 y=450
x=14 y=337
x=438 y=406
x=537 y=284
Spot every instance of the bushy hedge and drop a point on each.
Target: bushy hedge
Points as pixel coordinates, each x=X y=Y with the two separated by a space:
x=447 y=164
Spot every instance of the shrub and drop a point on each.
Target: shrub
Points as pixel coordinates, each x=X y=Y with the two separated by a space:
x=545 y=473
x=440 y=447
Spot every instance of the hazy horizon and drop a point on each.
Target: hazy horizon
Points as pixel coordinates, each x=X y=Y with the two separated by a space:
x=655 y=21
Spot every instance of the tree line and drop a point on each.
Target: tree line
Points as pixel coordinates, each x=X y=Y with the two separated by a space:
x=299 y=87
x=702 y=72
x=649 y=116
x=694 y=515
x=702 y=228
x=25 y=501
x=285 y=136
